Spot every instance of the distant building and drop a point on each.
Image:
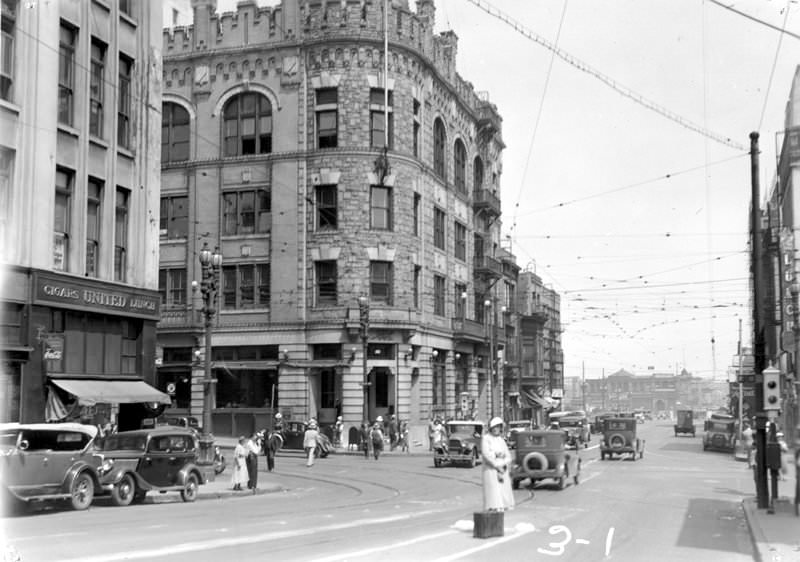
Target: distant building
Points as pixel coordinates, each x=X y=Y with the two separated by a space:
x=79 y=186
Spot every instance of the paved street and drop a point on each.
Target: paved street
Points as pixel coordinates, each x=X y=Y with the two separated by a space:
x=677 y=503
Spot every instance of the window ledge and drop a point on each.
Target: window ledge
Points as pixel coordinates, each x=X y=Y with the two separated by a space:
x=254 y=236
x=11 y=106
x=229 y=311
x=128 y=19
x=68 y=130
x=98 y=141
x=173 y=240
x=122 y=151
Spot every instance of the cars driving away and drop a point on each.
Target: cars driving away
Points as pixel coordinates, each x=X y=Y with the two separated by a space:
x=619 y=438
x=544 y=454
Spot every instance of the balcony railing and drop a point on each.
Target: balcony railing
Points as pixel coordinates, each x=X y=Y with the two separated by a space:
x=185 y=317
x=485 y=199
x=487 y=265
x=464 y=329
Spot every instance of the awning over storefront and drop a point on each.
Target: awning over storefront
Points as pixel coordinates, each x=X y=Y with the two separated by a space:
x=90 y=392
x=534 y=400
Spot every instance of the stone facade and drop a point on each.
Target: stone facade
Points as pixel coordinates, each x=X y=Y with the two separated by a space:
x=288 y=55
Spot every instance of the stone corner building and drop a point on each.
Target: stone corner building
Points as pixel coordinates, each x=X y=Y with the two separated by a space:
x=277 y=131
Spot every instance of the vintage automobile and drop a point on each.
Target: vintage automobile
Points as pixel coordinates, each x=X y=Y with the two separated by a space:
x=541 y=454
x=463 y=444
x=161 y=459
x=720 y=433
x=513 y=427
x=576 y=429
x=599 y=422
x=684 y=422
x=49 y=461
x=192 y=423
x=619 y=438
x=293 y=432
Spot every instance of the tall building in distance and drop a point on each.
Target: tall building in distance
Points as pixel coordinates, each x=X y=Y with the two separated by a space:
x=80 y=105
x=350 y=178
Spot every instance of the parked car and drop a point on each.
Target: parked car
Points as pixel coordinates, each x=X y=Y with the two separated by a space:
x=514 y=427
x=684 y=422
x=49 y=461
x=544 y=453
x=161 y=459
x=720 y=433
x=293 y=432
x=619 y=438
x=463 y=444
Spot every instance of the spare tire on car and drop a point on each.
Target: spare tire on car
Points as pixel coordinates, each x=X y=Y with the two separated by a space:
x=533 y=462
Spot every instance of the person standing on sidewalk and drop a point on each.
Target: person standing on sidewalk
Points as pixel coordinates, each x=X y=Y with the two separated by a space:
x=393 y=432
x=310 y=439
x=747 y=443
x=404 y=437
x=239 y=475
x=364 y=436
x=272 y=444
x=338 y=432
x=253 y=448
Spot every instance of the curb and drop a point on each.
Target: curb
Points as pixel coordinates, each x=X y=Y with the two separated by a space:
x=757 y=536
x=175 y=497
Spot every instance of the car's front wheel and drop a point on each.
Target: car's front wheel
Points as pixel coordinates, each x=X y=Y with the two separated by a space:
x=473 y=460
x=190 y=488
x=124 y=491
x=81 y=492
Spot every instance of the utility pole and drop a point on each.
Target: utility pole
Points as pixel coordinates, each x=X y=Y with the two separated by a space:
x=363 y=317
x=759 y=358
x=603 y=389
x=583 y=384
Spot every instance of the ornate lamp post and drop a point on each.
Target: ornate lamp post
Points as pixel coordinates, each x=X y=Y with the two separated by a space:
x=211 y=265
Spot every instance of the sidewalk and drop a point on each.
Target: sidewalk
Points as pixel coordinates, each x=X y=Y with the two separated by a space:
x=776 y=536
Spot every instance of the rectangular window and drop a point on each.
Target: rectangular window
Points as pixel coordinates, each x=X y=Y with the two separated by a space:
x=66 y=74
x=246 y=286
x=380 y=130
x=246 y=211
x=380 y=208
x=439 y=228
x=174 y=222
x=460 y=240
x=130 y=340
x=417 y=127
x=380 y=276
x=172 y=287
x=175 y=128
x=7 y=22
x=439 y=293
x=6 y=173
x=417 y=276
x=125 y=7
x=417 y=202
x=61 y=224
x=94 y=202
x=326 y=207
x=124 y=102
x=96 y=88
x=121 y=234
x=327 y=110
x=326 y=282
x=460 y=297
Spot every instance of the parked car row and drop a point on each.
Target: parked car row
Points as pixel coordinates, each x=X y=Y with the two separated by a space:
x=42 y=462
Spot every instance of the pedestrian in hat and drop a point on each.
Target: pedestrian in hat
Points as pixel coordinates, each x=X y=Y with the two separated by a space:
x=376 y=437
x=393 y=432
x=496 y=462
x=253 y=446
x=239 y=475
x=310 y=440
x=272 y=444
x=338 y=432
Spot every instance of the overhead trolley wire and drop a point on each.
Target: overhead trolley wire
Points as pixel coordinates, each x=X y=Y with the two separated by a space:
x=613 y=84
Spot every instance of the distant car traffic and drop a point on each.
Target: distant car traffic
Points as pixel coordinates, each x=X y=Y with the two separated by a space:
x=542 y=454
x=619 y=438
x=684 y=422
x=161 y=459
x=720 y=433
x=49 y=461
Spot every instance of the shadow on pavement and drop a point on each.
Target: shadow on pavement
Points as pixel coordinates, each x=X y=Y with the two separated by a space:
x=710 y=524
x=688 y=446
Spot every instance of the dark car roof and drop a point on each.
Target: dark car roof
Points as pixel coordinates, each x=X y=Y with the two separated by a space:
x=159 y=430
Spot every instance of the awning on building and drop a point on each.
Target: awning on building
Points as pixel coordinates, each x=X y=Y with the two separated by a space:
x=93 y=391
x=534 y=400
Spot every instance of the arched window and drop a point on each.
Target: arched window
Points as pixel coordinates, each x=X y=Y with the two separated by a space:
x=247 y=125
x=174 y=133
x=477 y=174
x=460 y=165
x=439 y=140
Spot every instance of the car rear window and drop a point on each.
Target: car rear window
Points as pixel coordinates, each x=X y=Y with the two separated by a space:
x=617 y=425
x=51 y=440
x=125 y=443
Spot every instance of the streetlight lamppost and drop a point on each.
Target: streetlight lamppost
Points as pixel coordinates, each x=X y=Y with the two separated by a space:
x=363 y=315
x=487 y=306
x=211 y=263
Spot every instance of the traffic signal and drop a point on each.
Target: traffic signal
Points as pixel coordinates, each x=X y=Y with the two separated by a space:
x=772 y=389
x=363 y=315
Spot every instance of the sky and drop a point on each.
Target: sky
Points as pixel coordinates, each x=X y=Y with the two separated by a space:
x=635 y=212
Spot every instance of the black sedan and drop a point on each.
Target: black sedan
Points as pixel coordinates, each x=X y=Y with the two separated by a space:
x=293 y=433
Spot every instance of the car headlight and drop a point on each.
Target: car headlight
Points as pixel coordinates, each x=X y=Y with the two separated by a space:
x=106 y=466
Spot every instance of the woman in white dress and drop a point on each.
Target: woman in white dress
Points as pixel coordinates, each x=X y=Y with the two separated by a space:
x=496 y=462
x=240 y=475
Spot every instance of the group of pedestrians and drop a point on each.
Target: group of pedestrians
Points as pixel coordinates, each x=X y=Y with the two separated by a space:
x=245 y=462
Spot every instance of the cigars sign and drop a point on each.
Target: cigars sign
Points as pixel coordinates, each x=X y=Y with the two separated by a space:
x=97 y=297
